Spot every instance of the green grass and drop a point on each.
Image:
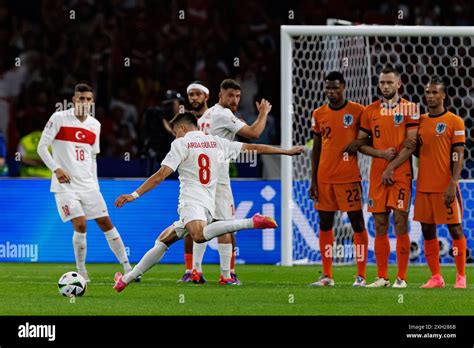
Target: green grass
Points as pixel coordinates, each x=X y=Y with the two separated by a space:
x=31 y=289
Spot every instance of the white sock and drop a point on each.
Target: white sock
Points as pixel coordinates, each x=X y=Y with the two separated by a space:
x=219 y=228
x=117 y=247
x=79 y=243
x=198 y=254
x=152 y=257
x=225 y=254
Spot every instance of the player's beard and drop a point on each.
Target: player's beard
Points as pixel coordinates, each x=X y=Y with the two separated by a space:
x=196 y=106
x=390 y=96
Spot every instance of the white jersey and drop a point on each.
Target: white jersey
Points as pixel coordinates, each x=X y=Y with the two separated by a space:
x=221 y=122
x=73 y=143
x=197 y=158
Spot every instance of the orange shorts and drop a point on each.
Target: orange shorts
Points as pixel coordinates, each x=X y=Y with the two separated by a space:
x=383 y=198
x=431 y=209
x=343 y=197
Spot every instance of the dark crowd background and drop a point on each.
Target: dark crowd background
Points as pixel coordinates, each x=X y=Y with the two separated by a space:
x=165 y=53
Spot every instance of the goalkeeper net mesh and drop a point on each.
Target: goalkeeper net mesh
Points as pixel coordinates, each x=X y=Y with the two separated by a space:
x=360 y=59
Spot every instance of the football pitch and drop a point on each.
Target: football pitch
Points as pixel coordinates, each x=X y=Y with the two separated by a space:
x=31 y=289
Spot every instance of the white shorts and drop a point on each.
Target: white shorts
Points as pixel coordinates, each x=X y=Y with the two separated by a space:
x=90 y=204
x=188 y=213
x=225 y=208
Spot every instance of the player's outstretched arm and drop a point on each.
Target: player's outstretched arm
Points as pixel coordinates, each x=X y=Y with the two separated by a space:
x=256 y=129
x=273 y=150
x=148 y=185
x=404 y=154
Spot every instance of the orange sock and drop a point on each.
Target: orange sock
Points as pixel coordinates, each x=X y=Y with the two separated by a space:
x=382 y=252
x=232 y=261
x=326 y=241
x=361 y=242
x=188 y=260
x=459 y=252
x=403 y=255
x=432 y=255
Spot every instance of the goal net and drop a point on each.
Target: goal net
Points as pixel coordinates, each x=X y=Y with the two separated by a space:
x=360 y=52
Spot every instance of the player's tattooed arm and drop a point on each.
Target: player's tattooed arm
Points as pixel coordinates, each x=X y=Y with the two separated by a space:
x=256 y=129
x=315 y=156
x=148 y=185
x=404 y=154
x=273 y=150
x=457 y=159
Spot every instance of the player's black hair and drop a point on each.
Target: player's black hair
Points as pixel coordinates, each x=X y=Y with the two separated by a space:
x=184 y=117
x=83 y=87
x=229 y=83
x=335 y=76
x=438 y=80
x=388 y=69
x=198 y=82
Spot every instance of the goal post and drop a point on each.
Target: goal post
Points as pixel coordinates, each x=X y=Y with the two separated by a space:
x=360 y=52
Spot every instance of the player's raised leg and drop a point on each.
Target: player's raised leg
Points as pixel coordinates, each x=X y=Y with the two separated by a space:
x=79 y=242
x=381 y=249
x=400 y=219
x=459 y=252
x=361 y=244
x=219 y=228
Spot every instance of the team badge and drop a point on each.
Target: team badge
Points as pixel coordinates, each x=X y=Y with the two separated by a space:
x=440 y=127
x=371 y=202
x=348 y=119
x=398 y=118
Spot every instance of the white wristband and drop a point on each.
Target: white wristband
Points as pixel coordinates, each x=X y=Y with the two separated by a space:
x=135 y=195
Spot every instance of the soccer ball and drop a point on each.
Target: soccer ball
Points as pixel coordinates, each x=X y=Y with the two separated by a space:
x=72 y=284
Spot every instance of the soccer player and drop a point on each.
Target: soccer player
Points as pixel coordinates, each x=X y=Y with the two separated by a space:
x=74 y=137
x=220 y=120
x=198 y=95
x=196 y=156
x=438 y=200
x=335 y=179
x=390 y=121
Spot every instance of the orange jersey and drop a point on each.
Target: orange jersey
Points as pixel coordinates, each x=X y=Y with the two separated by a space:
x=338 y=128
x=388 y=128
x=438 y=134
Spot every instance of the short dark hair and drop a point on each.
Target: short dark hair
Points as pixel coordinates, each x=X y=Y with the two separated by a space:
x=229 y=83
x=438 y=80
x=199 y=82
x=388 y=69
x=83 y=87
x=184 y=117
x=335 y=76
